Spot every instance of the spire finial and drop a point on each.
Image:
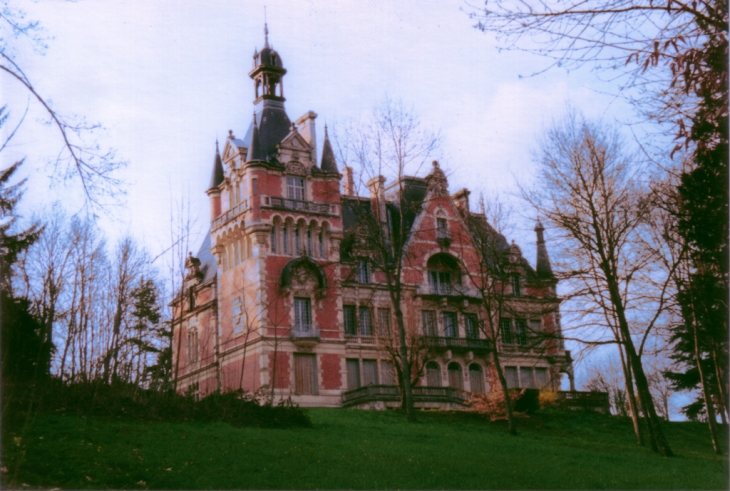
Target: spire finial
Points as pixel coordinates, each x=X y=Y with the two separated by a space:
x=216 y=145
x=255 y=123
x=266 y=30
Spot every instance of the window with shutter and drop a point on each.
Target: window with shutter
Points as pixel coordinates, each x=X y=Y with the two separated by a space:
x=353 y=374
x=476 y=379
x=456 y=379
x=510 y=373
x=433 y=374
x=384 y=322
x=363 y=271
x=305 y=373
x=389 y=375
x=370 y=372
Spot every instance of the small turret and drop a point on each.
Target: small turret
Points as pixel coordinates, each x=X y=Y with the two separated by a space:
x=328 y=163
x=215 y=182
x=543 y=268
x=255 y=148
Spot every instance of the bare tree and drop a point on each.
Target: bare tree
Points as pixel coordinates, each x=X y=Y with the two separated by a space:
x=592 y=194
x=394 y=143
x=80 y=156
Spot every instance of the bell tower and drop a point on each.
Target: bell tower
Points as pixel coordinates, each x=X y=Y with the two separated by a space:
x=268 y=73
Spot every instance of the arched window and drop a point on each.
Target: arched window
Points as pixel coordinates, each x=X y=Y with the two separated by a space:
x=285 y=239
x=456 y=380
x=272 y=240
x=433 y=374
x=443 y=274
x=476 y=378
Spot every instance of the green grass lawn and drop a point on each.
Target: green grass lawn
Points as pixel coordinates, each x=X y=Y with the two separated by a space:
x=358 y=449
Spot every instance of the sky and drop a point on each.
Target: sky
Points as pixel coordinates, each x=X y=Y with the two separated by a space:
x=166 y=78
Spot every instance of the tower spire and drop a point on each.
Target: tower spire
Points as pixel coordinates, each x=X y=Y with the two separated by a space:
x=328 y=163
x=266 y=30
x=542 y=264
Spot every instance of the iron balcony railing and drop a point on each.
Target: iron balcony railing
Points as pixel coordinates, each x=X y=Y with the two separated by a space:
x=299 y=205
x=389 y=393
x=304 y=331
x=442 y=342
x=359 y=339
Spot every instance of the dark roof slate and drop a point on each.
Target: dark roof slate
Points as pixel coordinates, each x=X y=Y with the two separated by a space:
x=218 y=175
x=328 y=163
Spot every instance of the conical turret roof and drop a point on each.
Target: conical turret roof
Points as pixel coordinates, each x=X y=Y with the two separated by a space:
x=255 y=148
x=328 y=163
x=218 y=175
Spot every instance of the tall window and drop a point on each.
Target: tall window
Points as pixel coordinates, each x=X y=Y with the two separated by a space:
x=440 y=282
x=389 y=374
x=321 y=244
x=272 y=240
x=456 y=380
x=429 y=323
x=348 y=312
x=295 y=188
x=516 y=285
x=521 y=331
x=510 y=373
x=369 y=372
x=302 y=315
x=541 y=377
x=363 y=271
x=442 y=228
x=471 y=326
x=254 y=186
x=285 y=238
x=450 y=329
x=366 y=322
x=297 y=241
x=193 y=345
x=305 y=373
x=505 y=329
x=353 y=373
x=309 y=241
x=433 y=374
x=476 y=380
x=384 y=322
x=526 y=378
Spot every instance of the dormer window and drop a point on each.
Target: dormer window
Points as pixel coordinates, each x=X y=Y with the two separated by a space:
x=442 y=228
x=295 y=188
x=443 y=273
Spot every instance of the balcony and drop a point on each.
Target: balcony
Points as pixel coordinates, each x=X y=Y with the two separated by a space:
x=391 y=393
x=361 y=340
x=448 y=290
x=443 y=237
x=298 y=205
x=304 y=334
x=226 y=217
x=464 y=344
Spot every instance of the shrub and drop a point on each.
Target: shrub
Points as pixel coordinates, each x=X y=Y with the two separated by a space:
x=549 y=399
x=128 y=401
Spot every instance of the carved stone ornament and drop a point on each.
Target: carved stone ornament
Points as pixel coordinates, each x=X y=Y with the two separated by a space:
x=437 y=182
x=295 y=168
x=192 y=264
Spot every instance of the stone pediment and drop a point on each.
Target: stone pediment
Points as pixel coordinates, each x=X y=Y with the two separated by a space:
x=231 y=150
x=295 y=141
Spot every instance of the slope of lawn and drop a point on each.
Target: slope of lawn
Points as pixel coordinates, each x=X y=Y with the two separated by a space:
x=357 y=449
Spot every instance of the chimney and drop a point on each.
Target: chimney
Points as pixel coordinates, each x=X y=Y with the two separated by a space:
x=462 y=199
x=349 y=184
x=306 y=128
x=376 y=185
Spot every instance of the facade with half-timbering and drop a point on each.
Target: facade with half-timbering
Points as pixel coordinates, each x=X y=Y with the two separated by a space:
x=284 y=292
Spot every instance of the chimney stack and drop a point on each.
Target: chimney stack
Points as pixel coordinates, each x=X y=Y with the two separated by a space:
x=462 y=199
x=349 y=184
x=376 y=185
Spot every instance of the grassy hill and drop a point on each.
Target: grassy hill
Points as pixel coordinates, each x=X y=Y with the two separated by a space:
x=357 y=449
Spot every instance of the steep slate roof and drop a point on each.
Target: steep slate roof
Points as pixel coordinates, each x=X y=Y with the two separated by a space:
x=255 y=148
x=542 y=263
x=328 y=163
x=218 y=176
x=207 y=262
x=273 y=124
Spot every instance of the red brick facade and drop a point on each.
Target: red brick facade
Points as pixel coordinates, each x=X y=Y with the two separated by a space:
x=273 y=290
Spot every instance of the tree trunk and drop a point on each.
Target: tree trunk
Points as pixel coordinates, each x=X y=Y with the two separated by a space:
x=709 y=406
x=511 y=427
x=633 y=408
x=405 y=365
